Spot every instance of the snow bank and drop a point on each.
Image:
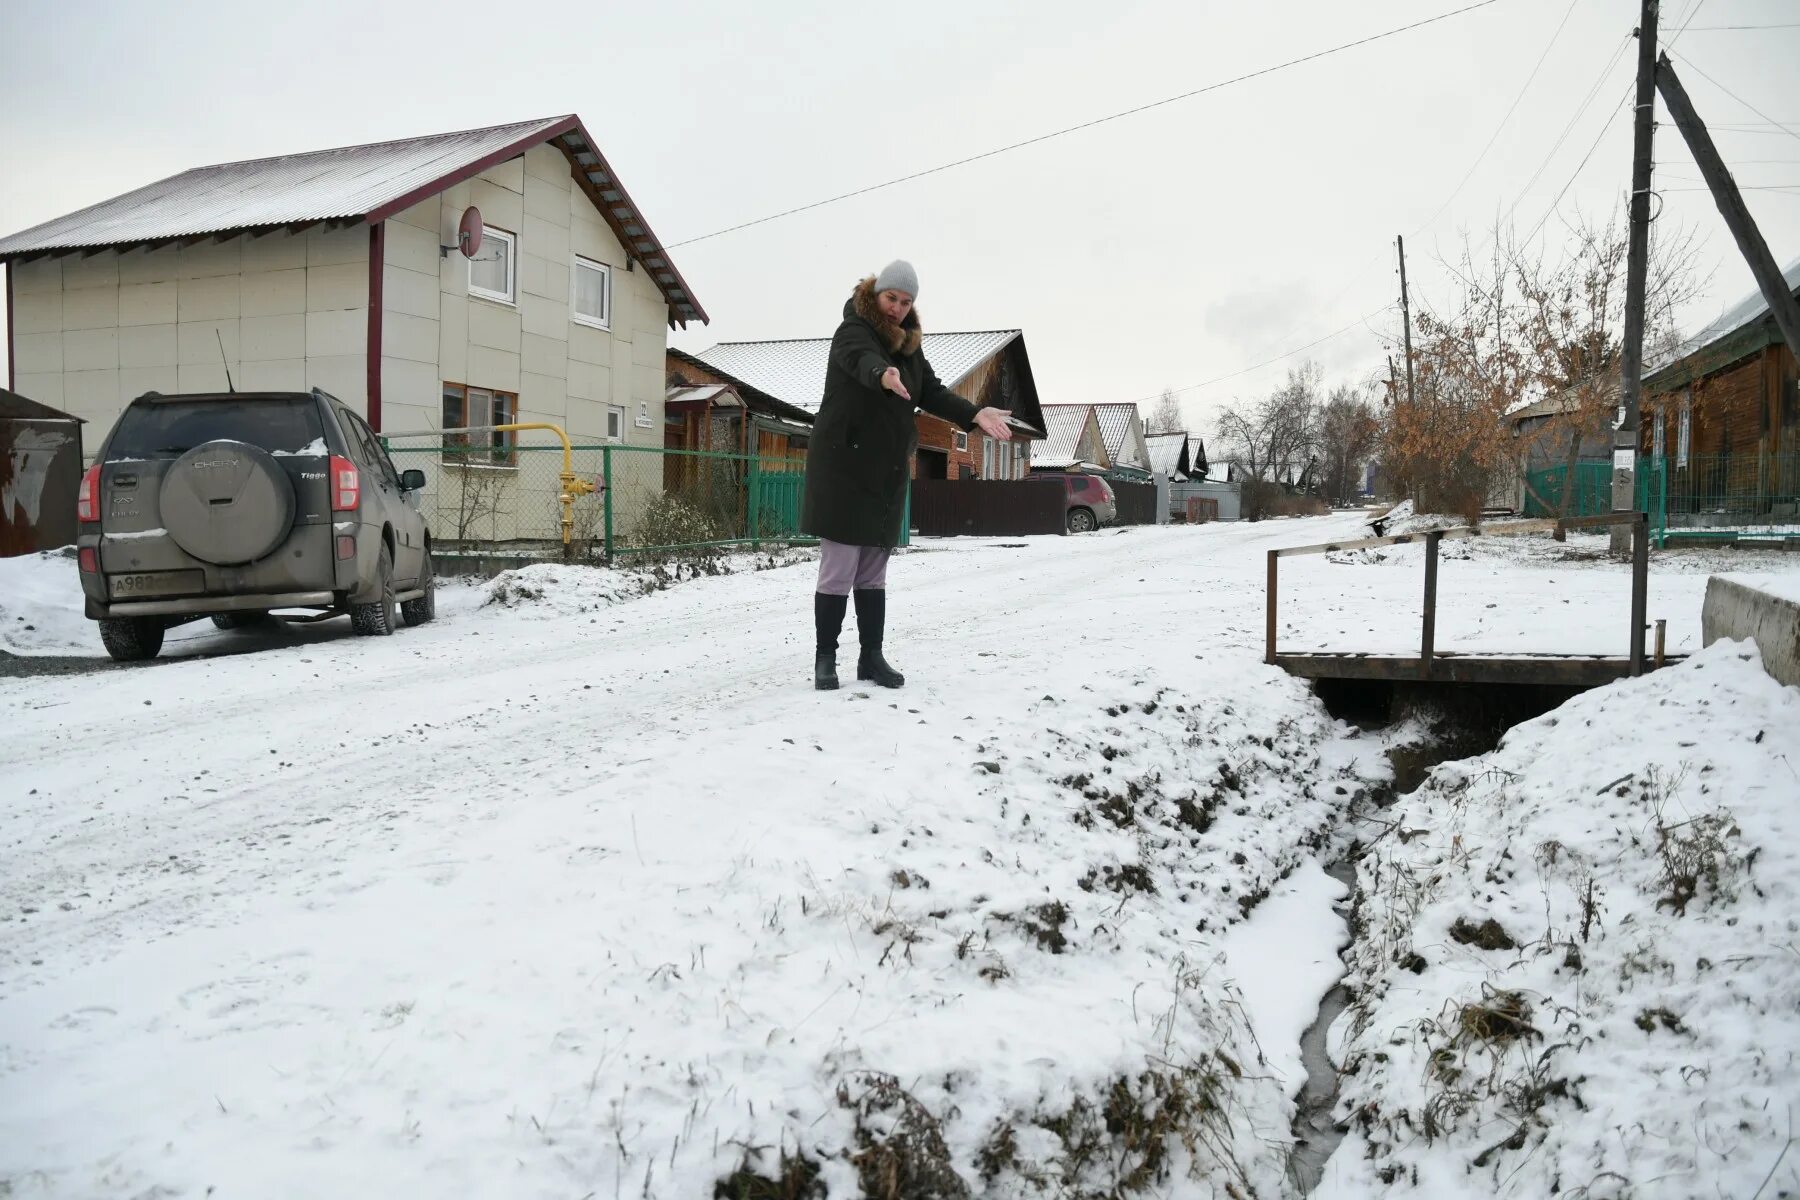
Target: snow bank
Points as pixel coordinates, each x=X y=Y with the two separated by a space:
x=40 y=606
x=1577 y=970
x=556 y=589
x=866 y=933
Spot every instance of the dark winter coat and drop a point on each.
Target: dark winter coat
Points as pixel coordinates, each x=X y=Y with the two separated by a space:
x=857 y=463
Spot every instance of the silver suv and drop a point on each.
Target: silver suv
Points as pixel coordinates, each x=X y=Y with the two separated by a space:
x=230 y=505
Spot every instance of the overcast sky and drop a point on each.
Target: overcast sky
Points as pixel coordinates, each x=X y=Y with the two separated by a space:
x=1161 y=250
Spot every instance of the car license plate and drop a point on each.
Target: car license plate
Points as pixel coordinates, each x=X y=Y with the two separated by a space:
x=156 y=583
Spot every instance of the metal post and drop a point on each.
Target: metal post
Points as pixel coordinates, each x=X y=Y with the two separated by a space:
x=1269 y=610
x=1640 y=588
x=606 y=471
x=1637 y=268
x=1662 y=643
x=754 y=508
x=1428 y=640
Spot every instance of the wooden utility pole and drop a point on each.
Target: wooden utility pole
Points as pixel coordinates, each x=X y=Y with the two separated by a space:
x=1406 y=320
x=1637 y=271
x=1731 y=204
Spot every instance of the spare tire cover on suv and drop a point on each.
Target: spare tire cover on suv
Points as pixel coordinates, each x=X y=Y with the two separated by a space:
x=227 y=502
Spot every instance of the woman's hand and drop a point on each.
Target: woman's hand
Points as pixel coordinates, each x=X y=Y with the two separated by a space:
x=890 y=379
x=992 y=421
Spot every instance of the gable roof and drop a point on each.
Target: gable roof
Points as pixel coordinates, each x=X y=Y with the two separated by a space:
x=794 y=370
x=1122 y=430
x=349 y=185
x=1065 y=425
x=754 y=397
x=1168 y=454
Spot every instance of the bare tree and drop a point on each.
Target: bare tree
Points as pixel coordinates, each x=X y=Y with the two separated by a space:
x=1275 y=443
x=1166 y=416
x=1348 y=436
x=1572 y=320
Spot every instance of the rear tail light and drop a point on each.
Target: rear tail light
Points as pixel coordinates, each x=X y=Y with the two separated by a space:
x=346 y=484
x=90 y=562
x=87 y=500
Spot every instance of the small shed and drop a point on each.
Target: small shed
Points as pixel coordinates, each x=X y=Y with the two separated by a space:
x=40 y=473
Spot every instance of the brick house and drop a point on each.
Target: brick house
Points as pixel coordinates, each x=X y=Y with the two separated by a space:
x=989 y=368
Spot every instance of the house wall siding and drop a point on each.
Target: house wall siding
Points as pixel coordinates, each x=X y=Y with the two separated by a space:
x=1748 y=407
x=565 y=373
x=291 y=311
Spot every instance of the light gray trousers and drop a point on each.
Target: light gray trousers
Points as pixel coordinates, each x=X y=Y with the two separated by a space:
x=842 y=567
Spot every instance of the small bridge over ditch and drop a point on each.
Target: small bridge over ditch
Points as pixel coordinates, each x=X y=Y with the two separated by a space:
x=1440 y=667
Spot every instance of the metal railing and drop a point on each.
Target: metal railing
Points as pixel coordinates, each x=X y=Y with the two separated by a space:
x=597 y=501
x=1431 y=539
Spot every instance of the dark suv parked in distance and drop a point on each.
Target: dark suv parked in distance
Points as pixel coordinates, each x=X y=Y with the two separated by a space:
x=232 y=504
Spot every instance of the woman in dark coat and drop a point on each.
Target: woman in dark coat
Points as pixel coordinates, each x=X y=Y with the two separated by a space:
x=857 y=464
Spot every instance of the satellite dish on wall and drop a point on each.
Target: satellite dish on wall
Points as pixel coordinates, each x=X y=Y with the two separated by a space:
x=465 y=238
x=468 y=232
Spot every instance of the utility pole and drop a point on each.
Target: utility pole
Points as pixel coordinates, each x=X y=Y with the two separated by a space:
x=1406 y=317
x=1731 y=204
x=1637 y=270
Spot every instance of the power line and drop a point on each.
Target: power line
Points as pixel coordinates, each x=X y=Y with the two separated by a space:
x=1511 y=108
x=1129 y=112
x=1688 y=62
x=1717 y=28
x=1580 y=111
x=1271 y=361
x=1442 y=208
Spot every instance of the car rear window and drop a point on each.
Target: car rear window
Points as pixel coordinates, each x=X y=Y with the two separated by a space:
x=162 y=428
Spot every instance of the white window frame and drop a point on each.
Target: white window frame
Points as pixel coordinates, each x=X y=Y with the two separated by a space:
x=962 y=440
x=612 y=411
x=578 y=264
x=510 y=297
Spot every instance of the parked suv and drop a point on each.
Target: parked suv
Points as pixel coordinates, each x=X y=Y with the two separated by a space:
x=1091 y=503
x=229 y=505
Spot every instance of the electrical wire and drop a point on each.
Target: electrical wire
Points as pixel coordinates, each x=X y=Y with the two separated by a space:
x=1361 y=271
x=1045 y=137
x=1688 y=62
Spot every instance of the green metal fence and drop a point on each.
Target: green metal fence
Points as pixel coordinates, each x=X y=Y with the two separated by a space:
x=1741 y=497
x=1745 y=497
x=505 y=496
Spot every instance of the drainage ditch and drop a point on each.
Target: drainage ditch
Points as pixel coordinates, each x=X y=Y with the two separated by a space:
x=1428 y=724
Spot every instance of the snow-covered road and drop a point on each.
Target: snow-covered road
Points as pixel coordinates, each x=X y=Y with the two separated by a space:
x=585 y=893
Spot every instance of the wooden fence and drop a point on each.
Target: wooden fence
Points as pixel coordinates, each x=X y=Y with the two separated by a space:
x=1136 y=503
x=982 y=508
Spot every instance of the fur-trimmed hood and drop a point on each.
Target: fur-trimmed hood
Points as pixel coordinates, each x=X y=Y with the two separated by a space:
x=905 y=338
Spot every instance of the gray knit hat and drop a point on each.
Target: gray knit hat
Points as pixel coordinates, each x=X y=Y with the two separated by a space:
x=899 y=276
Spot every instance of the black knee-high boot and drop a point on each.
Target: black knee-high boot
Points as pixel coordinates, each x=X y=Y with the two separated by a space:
x=871 y=622
x=828 y=620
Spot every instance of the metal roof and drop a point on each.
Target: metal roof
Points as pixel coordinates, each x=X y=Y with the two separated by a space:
x=719 y=395
x=1168 y=454
x=1751 y=308
x=347 y=185
x=14 y=407
x=1117 y=421
x=1063 y=426
x=794 y=371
